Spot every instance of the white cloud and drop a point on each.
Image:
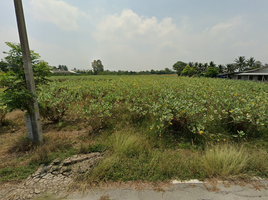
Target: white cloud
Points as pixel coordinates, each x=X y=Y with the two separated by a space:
x=136 y=42
x=129 y=26
x=130 y=41
x=227 y=28
x=57 y=12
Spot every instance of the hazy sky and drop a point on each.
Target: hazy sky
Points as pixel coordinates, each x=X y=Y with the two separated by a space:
x=140 y=34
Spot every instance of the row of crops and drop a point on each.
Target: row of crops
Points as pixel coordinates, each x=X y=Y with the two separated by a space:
x=190 y=107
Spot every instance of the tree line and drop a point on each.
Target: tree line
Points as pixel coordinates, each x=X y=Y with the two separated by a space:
x=181 y=68
x=211 y=69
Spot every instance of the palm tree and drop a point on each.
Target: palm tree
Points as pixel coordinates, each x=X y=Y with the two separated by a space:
x=200 y=68
x=191 y=64
x=212 y=64
x=196 y=67
x=230 y=68
x=221 y=68
x=258 y=64
x=251 y=62
x=241 y=63
x=205 y=66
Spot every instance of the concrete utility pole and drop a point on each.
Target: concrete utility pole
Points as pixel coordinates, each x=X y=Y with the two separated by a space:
x=33 y=119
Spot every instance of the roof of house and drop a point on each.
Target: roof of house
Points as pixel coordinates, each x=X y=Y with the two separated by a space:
x=243 y=74
x=257 y=71
x=62 y=72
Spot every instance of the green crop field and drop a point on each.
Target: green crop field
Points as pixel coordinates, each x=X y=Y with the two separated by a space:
x=151 y=128
x=191 y=107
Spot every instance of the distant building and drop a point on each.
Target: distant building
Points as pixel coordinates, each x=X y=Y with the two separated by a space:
x=63 y=72
x=259 y=74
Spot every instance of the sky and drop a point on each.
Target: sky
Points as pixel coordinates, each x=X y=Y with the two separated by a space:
x=137 y=35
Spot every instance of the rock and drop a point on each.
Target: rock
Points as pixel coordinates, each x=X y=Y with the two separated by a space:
x=56 y=161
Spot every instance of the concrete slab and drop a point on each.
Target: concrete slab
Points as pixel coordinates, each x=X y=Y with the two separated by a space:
x=193 y=190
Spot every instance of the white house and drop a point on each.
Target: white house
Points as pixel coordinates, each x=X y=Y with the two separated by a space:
x=259 y=74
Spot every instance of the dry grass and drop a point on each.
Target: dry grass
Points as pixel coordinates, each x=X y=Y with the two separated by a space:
x=18 y=152
x=258 y=162
x=132 y=153
x=127 y=143
x=225 y=161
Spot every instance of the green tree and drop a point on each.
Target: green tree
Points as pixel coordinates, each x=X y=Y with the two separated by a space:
x=252 y=63
x=200 y=68
x=97 y=67
x=179 y=66
x=241 y=63
x=205 y=66
x=16 y=95
x=230 y=68
x=221 y=68
x=3 y=66
x=212 y=64
x=211 y=72
x=188 y=71
x=62 y=68
x=168 y=71
x=191 y=64
x=258 y=64
x=54 y=68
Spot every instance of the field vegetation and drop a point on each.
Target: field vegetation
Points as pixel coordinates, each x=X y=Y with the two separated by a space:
x=151 y=128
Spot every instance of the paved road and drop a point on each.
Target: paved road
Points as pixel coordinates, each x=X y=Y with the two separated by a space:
x=181 y=191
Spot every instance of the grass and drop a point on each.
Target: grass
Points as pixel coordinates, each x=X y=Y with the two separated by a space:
x=225 y=160
x=19 y=157
x=151 y=166
x=132 y=153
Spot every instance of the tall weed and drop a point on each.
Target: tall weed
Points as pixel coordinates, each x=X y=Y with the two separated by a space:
x=225 y=161
x=127 y=144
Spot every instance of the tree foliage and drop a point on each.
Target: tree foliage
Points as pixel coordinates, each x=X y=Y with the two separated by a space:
x=3 y=66
x=188 y=71
x=221 y=68
x=211 y=72
x=179 y=66
x=62 y=68
x=97 y=67
x=241 y=63
x=252 y=63
x=16 y=95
